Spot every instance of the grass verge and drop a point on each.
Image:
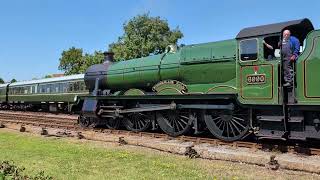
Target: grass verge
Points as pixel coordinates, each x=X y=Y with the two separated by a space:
x=80 y=159
x=67 y=159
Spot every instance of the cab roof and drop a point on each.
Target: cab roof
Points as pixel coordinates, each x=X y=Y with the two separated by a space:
x=302 y=25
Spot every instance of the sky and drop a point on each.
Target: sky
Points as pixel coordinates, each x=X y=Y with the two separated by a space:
x=34 y=33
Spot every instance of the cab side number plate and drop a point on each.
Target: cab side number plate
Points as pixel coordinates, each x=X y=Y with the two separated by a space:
x=256 y=79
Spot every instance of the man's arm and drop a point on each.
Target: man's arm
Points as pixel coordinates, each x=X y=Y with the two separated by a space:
x=268 y=45
x=296 y=45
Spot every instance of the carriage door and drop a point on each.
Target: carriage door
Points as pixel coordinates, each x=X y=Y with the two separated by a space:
x=257 y=76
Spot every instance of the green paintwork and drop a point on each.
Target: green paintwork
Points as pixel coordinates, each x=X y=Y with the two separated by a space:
x=169 y=87
x=2 y=94
x=308 y=71
x=37 y=98
x=264 y=93
x=214 y=70
x=209 y=62
x=208 y=68
x=205 y=68
x=163 y=97
x=2 y=98
x=142 y=72
x=228 y=87
x=134 y=92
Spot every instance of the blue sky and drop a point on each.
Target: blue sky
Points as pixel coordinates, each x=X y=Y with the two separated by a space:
x=33 y=33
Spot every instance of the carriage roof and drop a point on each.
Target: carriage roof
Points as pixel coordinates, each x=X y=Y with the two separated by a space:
x=50 y=80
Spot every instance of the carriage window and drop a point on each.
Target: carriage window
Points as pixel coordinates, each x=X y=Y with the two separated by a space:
x=248 y=50
x=25 y=90
x=52 y=89
x=65 y=87
x=70 y=88
x=15 y=91
x=42 y=88
x=20 y=90
x=33 y=89
x=56 y=88
x=82 y=86
x=76 y=86
x=60 y=88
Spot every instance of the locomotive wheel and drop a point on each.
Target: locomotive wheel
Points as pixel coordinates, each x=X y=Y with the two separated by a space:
x=137 y=122
x=227 y=126
x=112 y=123
x=174 y=123
x=84 y=121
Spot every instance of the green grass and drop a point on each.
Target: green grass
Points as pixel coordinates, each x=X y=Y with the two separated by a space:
x=66 y=159
x=75 y=159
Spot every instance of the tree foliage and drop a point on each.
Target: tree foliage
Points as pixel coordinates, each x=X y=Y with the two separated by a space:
x=13 y=80
x=144 y=35
x=73 y=61
x=48 y=76
x=1 y=81
x=90 y=59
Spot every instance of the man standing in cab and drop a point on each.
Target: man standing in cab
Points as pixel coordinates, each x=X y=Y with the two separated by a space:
x=290 y=47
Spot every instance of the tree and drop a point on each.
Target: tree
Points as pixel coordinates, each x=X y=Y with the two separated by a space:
x=90 y=59
x=144 y=35
x=1 y=81
x=13 y=80
x=72 y=61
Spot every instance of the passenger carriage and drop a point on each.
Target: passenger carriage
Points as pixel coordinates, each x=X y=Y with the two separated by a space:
x=3 y=95
x=51 y=94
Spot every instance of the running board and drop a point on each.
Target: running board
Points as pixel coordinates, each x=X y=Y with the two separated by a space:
x=142 y=108
x=206 y=106
x=106 y=111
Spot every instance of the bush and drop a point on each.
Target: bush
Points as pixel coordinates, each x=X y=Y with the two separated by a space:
x=9 y=171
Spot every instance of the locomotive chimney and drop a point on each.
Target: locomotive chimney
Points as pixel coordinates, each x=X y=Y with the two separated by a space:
x=108 y=57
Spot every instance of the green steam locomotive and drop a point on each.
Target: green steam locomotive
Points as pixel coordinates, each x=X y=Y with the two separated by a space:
x=231 y=88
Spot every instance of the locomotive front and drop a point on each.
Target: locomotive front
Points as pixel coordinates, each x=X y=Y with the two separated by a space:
x=96 y=75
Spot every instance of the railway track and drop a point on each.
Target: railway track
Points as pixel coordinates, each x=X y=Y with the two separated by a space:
x=38 y=119
x=70 y=123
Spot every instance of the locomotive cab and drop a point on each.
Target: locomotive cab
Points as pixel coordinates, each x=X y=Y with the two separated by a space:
x=260 y=68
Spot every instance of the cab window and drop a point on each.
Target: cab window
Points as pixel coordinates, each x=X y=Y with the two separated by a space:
x=248 y=50
x=271 y=47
